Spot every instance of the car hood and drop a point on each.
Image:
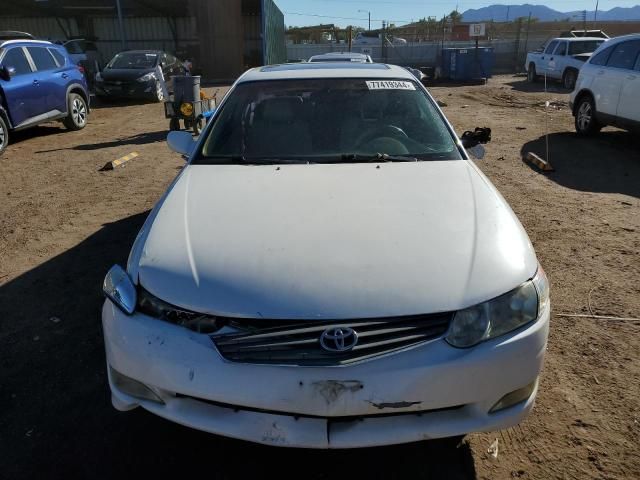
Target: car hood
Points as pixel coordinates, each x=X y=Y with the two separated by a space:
x=124 y=74
x=332 y=241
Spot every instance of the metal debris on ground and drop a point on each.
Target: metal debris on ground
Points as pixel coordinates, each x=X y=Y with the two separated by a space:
x=493 y=449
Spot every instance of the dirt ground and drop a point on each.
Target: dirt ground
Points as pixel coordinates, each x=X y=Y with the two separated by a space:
x=63 y=224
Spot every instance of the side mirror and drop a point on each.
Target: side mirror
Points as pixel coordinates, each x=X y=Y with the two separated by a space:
x=479 y=135
x=6 y=72
x=181 y=142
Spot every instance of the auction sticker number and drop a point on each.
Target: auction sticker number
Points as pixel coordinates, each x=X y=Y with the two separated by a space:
x=389 y=85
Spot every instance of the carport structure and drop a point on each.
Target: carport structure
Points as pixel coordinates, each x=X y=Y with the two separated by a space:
x=221 y=37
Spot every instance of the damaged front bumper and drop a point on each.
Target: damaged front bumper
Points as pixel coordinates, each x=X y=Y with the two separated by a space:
x=429 y=391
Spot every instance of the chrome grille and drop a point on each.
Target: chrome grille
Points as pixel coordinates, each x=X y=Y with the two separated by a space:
x=298 y=342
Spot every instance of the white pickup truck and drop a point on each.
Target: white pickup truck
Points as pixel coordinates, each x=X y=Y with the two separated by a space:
x=561 y=59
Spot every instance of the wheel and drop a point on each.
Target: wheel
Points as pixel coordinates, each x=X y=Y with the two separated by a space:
x=77 y=116
x=4 y=135
x=569 y=79
x=197 y=125
x=586 y=123
x=174 y=124
x=159 y=93
x=532 y=76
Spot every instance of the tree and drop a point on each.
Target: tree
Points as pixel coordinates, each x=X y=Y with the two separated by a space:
x=455 y=17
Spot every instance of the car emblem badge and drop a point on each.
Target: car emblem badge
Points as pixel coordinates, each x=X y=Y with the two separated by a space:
x=338 y=339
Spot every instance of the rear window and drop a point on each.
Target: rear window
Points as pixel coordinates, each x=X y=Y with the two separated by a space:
x=59 y=58
x=42 y=58
x=576 y=48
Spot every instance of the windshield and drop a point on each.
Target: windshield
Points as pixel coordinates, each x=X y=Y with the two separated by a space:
x=134 y=60
x=327 y=121
x=590 y=46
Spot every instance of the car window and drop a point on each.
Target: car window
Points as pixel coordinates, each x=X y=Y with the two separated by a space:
x=42 y=58
x=562 y=49
x=551 y=47
x=15 y=58
x=134 y=60
x=624 y=55
x=59 y=58
x=73 y=47
x=588 y=46
x=327 y=121
x=601 y=58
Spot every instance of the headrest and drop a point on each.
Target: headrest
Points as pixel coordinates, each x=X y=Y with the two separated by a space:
x=280 y=110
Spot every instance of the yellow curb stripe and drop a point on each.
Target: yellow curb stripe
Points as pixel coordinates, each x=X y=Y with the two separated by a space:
x=119 y=161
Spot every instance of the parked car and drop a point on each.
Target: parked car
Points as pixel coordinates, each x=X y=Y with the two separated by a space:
x=561 y=59
x=84 y=52
x=134 y=74
x=375 y=38
x=608 y=88
x=329 y=270
x=341 y=57
x=39 y=83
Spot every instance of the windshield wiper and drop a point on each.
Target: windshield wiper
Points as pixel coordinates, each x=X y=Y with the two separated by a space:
x=377 y=157
x=218 y=159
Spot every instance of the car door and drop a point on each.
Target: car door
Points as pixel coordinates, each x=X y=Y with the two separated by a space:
x=605 y=84
x=52 y=80
x=558 y=60
x=21 y=92
x=543 y=67
x=628 y=62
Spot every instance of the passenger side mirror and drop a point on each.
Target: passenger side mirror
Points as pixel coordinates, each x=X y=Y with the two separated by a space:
x=181 y=142
x=479 y=135
x=6 y=72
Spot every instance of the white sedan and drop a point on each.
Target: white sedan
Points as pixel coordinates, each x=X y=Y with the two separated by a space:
x=329 y=270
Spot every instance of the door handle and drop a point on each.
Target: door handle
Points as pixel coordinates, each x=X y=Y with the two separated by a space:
x=65 y=76
x=551 y=58
x=36 y=83
x=631 y=77
x=600 y=72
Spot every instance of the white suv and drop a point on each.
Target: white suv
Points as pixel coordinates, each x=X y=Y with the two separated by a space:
x=608 y=88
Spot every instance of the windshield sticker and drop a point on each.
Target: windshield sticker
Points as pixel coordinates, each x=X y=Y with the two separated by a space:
x=389 y=85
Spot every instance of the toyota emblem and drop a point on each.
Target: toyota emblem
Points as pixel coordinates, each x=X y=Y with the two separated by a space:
x=338 y=339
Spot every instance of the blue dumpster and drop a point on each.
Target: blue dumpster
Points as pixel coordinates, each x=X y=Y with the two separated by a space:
x=465 y=64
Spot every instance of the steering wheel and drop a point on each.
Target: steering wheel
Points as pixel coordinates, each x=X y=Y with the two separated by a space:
x=384 y=131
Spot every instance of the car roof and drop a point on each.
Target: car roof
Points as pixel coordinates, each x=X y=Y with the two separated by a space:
x=141 y=51
x=341 y=54
x=580 y=39
x=622 y=38
x=305 y=70
x=27 y=42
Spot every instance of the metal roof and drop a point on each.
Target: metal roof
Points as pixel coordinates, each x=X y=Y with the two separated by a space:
x=288 y=71
x=69 y=8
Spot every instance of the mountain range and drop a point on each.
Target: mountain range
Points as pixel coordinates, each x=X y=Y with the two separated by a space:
x=501 y=13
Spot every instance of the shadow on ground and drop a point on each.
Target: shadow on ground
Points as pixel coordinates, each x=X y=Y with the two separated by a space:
x=608 y=162
x=39 y=131
x=139 y=139
x=57 y=422
x=521 y=84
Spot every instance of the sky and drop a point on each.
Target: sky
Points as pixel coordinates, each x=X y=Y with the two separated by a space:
x=345 y=12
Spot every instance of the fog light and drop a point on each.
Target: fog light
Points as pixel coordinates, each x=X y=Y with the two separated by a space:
x=517 y=396
x=186 y=109
x=133 y=387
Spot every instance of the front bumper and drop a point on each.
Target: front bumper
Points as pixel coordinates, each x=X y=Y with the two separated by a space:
x=429 y=391
x=127 y=90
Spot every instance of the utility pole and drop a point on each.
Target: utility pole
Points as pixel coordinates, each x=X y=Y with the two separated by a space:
x=508 y=7
x=526 y=38
x=595 y=17
x=123 y=40
x=584 y=21
x=369 y=12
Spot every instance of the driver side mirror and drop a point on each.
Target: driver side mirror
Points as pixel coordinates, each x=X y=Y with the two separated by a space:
x=6 y=72
x=181 y=142
x=479 y=135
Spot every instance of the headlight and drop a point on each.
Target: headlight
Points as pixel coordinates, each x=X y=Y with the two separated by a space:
x=154 y=307
x=500 y=315
x=119 y=288
x=145 y=78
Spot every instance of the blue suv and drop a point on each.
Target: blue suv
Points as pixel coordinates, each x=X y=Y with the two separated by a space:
x=39 y=83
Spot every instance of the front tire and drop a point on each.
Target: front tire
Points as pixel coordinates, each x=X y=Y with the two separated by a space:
x=77 y=117
x=569 y=79
x=4 y=135
x=585 y=118
x=532 y=76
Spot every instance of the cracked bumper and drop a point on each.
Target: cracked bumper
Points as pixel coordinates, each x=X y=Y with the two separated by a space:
x=429 y=391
